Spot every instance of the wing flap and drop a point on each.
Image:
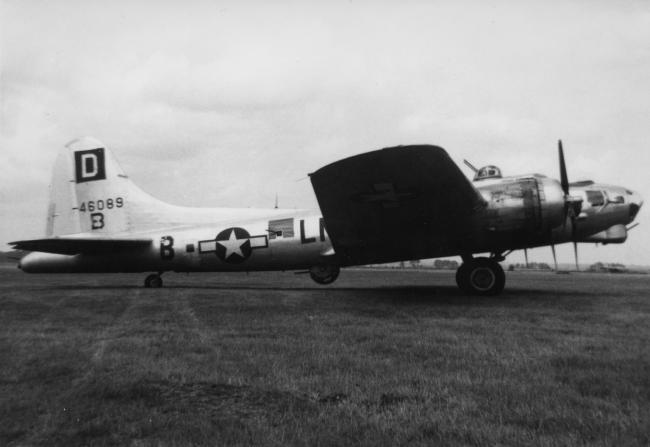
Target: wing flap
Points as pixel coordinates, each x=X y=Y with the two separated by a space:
x=405 y=202
x=73 y=246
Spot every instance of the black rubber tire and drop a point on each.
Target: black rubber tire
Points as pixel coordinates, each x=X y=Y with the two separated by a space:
x=324 y=274
x=462 y=278
x=481 y=276
x=153 y=281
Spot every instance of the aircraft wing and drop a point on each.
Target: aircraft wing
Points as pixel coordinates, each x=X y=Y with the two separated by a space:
x=74 y=245
x=398 y=203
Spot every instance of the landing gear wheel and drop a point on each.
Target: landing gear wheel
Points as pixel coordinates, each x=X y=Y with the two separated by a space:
x=481 y=276
x=153 y=281
x=324 y=274
x=462 y=278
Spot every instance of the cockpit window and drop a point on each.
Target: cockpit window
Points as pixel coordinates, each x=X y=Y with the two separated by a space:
x=595 y=198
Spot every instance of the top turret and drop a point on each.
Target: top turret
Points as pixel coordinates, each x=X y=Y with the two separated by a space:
x=487 y=172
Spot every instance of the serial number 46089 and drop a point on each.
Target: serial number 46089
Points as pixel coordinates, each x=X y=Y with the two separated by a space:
x=101 y=204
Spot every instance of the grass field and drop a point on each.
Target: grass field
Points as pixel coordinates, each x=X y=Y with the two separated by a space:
x=379 y=358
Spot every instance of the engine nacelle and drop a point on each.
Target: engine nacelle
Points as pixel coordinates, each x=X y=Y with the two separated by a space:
x=530 y=204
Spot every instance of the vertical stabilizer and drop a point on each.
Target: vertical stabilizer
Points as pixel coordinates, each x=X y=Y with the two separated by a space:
x=89 y=192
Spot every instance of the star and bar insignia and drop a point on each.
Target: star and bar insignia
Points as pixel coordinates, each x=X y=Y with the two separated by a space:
x=233 y=245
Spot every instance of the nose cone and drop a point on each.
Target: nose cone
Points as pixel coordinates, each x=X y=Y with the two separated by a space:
x=636 y=201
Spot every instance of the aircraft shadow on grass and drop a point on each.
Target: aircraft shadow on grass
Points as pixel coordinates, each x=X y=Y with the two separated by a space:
x=397 y=294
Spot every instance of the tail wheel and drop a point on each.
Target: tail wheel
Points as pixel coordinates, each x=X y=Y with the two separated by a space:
x=481 y=276
x=324 y=274
x=153 y=281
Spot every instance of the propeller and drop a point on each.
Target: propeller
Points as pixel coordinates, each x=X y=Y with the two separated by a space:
x=526 y=255
x=554 y=257
x=572 y=205
x=564 y=178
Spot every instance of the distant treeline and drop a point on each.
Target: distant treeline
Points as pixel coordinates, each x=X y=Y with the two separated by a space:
x=12 y=256
x=613 y=267
x=531 y=266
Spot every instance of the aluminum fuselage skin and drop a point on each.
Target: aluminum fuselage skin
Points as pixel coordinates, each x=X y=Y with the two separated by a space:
x=520 y=212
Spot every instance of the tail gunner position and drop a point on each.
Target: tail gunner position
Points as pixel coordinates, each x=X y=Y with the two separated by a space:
x=393 y=204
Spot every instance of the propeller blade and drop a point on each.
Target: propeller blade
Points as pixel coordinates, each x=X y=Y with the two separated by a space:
x=572 y=205
x=526 y=256
x=574 y=228
x=575 y=252
x=564 y=178
x=554 y=257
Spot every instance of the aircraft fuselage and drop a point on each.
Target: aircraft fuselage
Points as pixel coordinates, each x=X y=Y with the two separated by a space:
x=395 y=204
x=246 y=246
x=521 y=212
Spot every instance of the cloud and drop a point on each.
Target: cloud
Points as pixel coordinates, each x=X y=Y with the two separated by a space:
x=225 y=103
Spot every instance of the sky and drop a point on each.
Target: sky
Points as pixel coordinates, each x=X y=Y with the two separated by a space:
x=209 y=103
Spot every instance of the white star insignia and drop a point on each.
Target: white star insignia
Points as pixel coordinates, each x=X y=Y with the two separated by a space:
x=232 y=245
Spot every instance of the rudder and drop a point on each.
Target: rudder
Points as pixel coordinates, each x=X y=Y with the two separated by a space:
x=89 y=191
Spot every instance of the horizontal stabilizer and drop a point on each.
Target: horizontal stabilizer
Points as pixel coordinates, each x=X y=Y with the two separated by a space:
x=73 y=246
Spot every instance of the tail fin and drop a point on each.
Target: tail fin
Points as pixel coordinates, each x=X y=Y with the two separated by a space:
x=90 y=193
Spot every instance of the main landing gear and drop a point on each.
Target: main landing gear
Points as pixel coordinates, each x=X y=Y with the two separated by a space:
x=324 y=274
x=481 y=276
x=154 y=281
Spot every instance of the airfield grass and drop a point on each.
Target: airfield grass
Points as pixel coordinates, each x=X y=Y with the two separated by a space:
x=379 y=358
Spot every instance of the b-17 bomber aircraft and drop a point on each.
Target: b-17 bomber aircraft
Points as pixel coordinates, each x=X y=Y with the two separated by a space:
x=394 y=204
